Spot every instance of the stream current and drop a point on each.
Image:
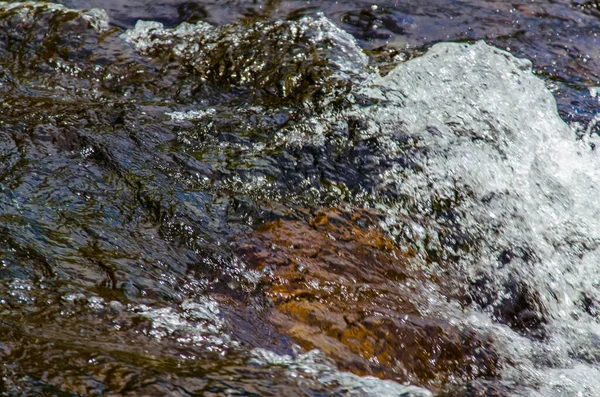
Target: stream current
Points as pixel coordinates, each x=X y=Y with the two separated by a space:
x=291 y=198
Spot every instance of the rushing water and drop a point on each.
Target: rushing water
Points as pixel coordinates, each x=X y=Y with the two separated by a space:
x=299 y=198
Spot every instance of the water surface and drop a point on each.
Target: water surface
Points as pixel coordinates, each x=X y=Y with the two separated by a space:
x=262 y=202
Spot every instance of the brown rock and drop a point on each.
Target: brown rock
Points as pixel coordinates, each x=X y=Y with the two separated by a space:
x=341 y=285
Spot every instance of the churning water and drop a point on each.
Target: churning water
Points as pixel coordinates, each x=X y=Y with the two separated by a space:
x=260 y=206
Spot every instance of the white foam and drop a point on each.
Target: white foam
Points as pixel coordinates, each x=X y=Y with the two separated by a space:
x=149 y=34
x=191 y=114
x=315 y=365
x=487 y=136
x=198 y=323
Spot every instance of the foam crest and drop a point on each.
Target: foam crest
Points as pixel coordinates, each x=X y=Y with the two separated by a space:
x=503 y=191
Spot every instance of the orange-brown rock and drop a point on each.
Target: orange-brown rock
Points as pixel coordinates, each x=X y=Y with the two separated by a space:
x=341 y=285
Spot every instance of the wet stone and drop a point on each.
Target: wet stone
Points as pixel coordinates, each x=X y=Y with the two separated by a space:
x=339 y=284
x=515 y=304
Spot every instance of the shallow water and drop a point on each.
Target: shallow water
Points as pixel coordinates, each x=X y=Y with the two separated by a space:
x=264 y=203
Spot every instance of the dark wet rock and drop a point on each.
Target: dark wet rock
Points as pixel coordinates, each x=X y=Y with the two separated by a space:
x=481 y=388
x=339 y=284
x=514 y=304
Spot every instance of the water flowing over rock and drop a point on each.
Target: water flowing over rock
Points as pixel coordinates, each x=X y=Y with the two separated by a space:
x=299 y=62
x=509 y=192
x=339 y=284
x=196 y=209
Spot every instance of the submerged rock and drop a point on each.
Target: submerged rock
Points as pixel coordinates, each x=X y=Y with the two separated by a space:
x=341 y=285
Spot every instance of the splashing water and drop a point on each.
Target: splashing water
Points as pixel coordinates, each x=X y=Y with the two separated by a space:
x=160 y=187
x=506 y=194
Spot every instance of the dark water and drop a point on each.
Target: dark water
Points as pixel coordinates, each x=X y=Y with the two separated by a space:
x=146 y=253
